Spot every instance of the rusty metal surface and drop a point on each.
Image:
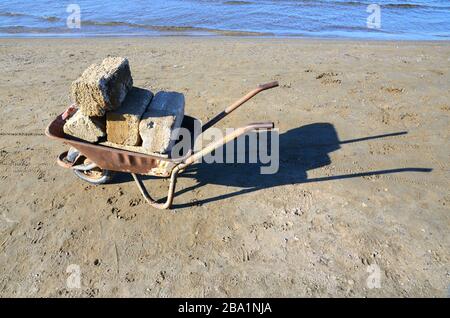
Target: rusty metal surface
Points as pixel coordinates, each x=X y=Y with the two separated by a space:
x=112 y=158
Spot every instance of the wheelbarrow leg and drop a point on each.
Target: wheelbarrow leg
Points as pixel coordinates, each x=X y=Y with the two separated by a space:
x=148 y=198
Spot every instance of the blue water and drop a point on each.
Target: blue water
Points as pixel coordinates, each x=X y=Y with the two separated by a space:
x=400 y=19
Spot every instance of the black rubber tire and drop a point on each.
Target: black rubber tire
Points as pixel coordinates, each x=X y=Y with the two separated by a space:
x=101 y=177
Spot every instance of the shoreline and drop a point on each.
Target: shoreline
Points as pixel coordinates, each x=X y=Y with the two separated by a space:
x=213 y=36
x=226 y=37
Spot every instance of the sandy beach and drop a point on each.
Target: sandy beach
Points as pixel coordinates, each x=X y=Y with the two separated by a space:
x=363 y=182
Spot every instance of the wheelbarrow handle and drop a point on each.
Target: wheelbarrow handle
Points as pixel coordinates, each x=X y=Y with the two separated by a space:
x=238 y=103
x=249 y=95
x=72 y=109
x=268 y=85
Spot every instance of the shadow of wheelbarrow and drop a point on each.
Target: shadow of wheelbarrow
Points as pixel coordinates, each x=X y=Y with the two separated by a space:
x=301 y=149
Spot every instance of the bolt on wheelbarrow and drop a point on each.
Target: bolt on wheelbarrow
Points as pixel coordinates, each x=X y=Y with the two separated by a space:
x=95 y=163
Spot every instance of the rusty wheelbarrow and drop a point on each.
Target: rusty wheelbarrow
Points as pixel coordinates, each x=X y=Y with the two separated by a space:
x=95 y=163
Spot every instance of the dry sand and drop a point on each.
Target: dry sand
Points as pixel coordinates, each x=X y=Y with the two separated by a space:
x=313 y=229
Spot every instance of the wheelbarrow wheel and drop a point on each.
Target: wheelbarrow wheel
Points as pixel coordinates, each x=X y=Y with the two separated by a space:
x=95 y=176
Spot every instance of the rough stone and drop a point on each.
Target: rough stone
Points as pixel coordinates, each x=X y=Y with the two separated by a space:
x=164 y=114
x=122 y=124
x=85 y=127
x=102 y=87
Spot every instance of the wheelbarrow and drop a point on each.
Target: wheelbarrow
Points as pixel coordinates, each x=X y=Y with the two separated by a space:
x=95 y=163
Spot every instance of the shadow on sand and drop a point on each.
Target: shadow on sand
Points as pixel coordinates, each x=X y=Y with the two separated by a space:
x=301 y=149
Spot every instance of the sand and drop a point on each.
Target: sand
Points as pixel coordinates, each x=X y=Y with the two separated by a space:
x=342 y=208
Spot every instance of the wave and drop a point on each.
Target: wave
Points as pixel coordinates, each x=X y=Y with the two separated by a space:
x=237 y=2
x=352 y=3
x=383 y=5
x=338 y=27
x=404 y=5
x=157 y=28
x=42 y=18
x=386 y=5
x=50 y=19
x=173 y=28
x=393 y=5
x=20 y=29
x=60 y=32
x=12 y=14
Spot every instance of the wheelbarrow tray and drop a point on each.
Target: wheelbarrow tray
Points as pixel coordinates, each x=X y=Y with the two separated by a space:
x=122 y=160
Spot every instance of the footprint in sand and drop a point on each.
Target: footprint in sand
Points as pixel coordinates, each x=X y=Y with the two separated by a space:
x=329 y=78
x=393 y=90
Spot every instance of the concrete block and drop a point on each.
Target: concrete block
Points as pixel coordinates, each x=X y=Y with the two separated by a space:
x=102 y=87
x=164 y=114
x=122 y=124
x=85 y=127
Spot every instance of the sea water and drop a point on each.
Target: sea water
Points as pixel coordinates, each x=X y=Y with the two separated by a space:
x=383 y=19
